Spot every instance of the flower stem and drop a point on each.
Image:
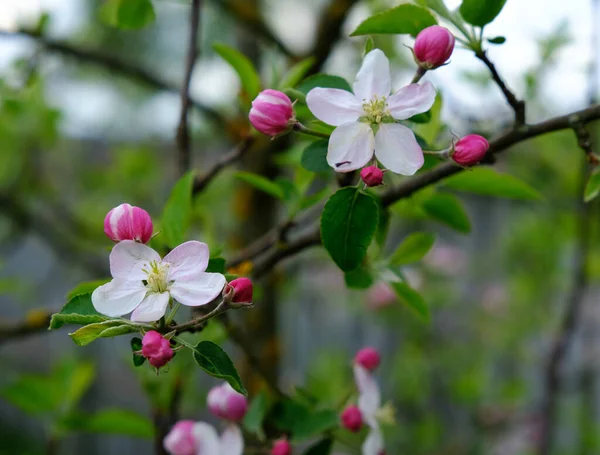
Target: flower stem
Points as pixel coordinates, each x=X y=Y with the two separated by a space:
x=418 y=75
x=220 y=308
x=172 y=314
x=300 y=128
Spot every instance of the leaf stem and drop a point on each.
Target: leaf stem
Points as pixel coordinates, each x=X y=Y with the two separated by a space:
x=300 y=128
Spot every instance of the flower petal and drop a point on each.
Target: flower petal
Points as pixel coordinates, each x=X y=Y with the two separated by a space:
x=350 y=146
x=411 y=100
x=232 y=441
x=369 y=399
x=207 y=439
x=334 y=106
x=129 y=258
x=397 y=149
x=118 y=297
x=200 y=290
x=187 y=260
x=373 y=78
x=152 y=308
x=373 y=445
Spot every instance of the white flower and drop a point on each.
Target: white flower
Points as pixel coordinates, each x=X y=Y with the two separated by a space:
x=144 y=283
x=365 y=119
x=200 y=438
x=369 y=403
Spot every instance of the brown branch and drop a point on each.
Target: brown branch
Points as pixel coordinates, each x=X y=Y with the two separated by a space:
x=517 y=105
x=183 y=134
x=35 y=322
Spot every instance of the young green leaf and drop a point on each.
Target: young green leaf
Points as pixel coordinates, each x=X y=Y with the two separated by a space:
x=262 y=183
x=314 y=156
x=85 y=287
x=317 y=423
x=325 y=81
x=78 y=310
x=412 y=249
x=136 y=346
x=112 y=421
x=348 y=224
x=592 y=188
x=177 y=212
x=489 y=182
x=296 y=73
x=405 y=18
x=411 y=299
x=216 y=265
x=243 y=66
x=359 y=278
x=214 y=361
x=253 y=421
x=127 y=14
x=106 y=329
x=481 y=12
x=323 y=447
x=447 y=209
x=497 y=40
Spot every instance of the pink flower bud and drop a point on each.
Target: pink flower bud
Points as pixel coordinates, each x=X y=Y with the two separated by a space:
x=352 y=419
x=469 y=150
x=156 y=349
x=226 y=403
x=433 y=47
x=372 y=175
x=368 y=358
x=240 y=290
x=126 y=222
x=272 y=112
x=281 y=447
x=180 y=440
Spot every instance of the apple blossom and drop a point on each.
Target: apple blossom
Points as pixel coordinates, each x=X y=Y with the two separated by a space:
x=433 y=47
x=126 y=222
x=372 y=176
x=144 y=283
x=240 y=290
x=272 y=112
x=365 y=121
x=352 y=418
x=157 y=349
x=469 y=150
x=281 y=447
x=226 y=403
x=368 y=358
x=199 y=438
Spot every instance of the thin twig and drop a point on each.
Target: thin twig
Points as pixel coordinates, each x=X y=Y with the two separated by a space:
x=197 y=322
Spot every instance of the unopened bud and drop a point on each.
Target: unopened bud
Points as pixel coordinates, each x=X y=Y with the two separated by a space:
x=239 y=291
x=156 y=349
x=352 y=419
x=281 y=447
x=127 y=222
x=272 y=112
x=433 y=47
x=368 y=358
x=372 y=176
x=226 y=403
x=469 y=150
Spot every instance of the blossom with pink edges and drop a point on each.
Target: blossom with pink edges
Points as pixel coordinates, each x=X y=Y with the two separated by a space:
x=272 y=112
x=199 y=438
x=226 y=403
x=126 y=222
x=433 y=47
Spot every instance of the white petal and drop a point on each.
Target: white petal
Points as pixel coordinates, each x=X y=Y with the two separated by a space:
x=152 y=308
x=397 y=149
x=350 y=146
x=200 y=290
x=369 y=398
x=118 y=297
x=373 y=78
x=207 y=439
x=187 y=260
x=128 y=258
x=232 y=441
x=411 y=100
x=373 y=445
x=334 y=106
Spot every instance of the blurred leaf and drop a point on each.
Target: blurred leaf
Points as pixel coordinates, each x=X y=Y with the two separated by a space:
x=412 y=249
x=177 y=212
x=32 y=394
x=127 y=14
x=323 y=447
x=481 y=12
x=430 y=131
x=316 y=423
x=405 y=18
x=243 y=66
x=424 y=117
x=261 y=183
x=488 y=182
x=497 y=40
x=296 y=73
x=214 y=361
x=253 y=421
x=411 y=299
x=107 y=329
x=216 y=265
x=136 y=345
x=447 y=209
x=314 y=156
x=85 y=288
x=325 y=81
x=78 y=381
x=348 y=224
x=112 y=421
x=78 y=310
x=438 y=6
x=310 y=200
x=592 y=188
x=369 y=45
x=359 y=278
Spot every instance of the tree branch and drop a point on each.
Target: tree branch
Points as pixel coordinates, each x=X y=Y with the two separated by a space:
x=35 y=322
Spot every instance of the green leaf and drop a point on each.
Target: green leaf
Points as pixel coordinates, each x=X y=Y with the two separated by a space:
x=78 y=310
x=136 y=345
x=216 y=265
x=323 y=447
x=348 y=224
x=85 y=288
x=481 y=12
x=314 y=157
x=359 y=278
x=497 y=40
x=447 y=209
x=243 y=66
x=310 y=200
x=317 y=422
x=32 y=394
x=127 y=14
x=177 y=212
x=424 y=117
x=113 y=421
x=488 y=182
x=78 y=381
x=592 y=188
x=86 y=334
x=325 y=81
x=253 y=421
x=296 y=73
x=262 y=183
x=438 y=6
x=411 y=298
x=369 y=45
x=214 y=361
x=412 y=249
x=405 y=18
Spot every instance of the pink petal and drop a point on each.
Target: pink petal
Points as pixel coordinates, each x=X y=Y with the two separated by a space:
x=334 y=106
x=207 y=439
x=411 y=100
x=118 y=297
x=129 y=258
x=200 y=290
x=152 y=308
x=373 y=78
x=397 y=149
x=232 y=441
x=350 y=146
x=187 y=260
x=369 y=399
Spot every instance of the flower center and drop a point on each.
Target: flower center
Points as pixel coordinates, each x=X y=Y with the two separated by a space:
x=158 y=274
x=375 y=110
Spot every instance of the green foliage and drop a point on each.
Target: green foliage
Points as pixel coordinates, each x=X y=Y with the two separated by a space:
x=481 y=12
x=112 y=421
x=302 y=421
x=87 y=287
x=488 y=182
x=405 y=18
x=592 y=188
x=127 y=14
x=325 y=81
x=178 y=211
x=136 y=346
x=263 y=184
x=447 y=209
x=497 y=40
x=359 y=278
x=107 y=329
x=296 y=73
x=348 y=224
x=314 y=156
x=216 y=265
x=323 y=447
x=412 y=249
x=78 y=310
x=243 y=66
x=214 y=361
x=253 y=421
x=411 y=298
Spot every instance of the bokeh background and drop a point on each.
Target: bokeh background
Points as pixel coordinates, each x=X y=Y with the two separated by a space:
x=78 y=137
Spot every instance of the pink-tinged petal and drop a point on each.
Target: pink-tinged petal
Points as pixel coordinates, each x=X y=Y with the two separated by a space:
x=232 y=441
x=129 y=258
x=207 y=439
x=411 y=100
x=373 y=78
x=200 y=290
x=350 y=146
x=373 y=445
x=334 y=106
x=180 y=441
x=369 y=398
x=152 y=308
x=187 y=260
x=397 y=149
x=118 y=297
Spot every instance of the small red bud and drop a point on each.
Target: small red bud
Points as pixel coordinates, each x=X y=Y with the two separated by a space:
x=368 y=358
x=281 y=447
x=239 y=290
x=226 y=403
x=352 y=419
x=469 y=150
x=372 y=176
x=272 y=112
x=156 y=349
x=433 y=47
